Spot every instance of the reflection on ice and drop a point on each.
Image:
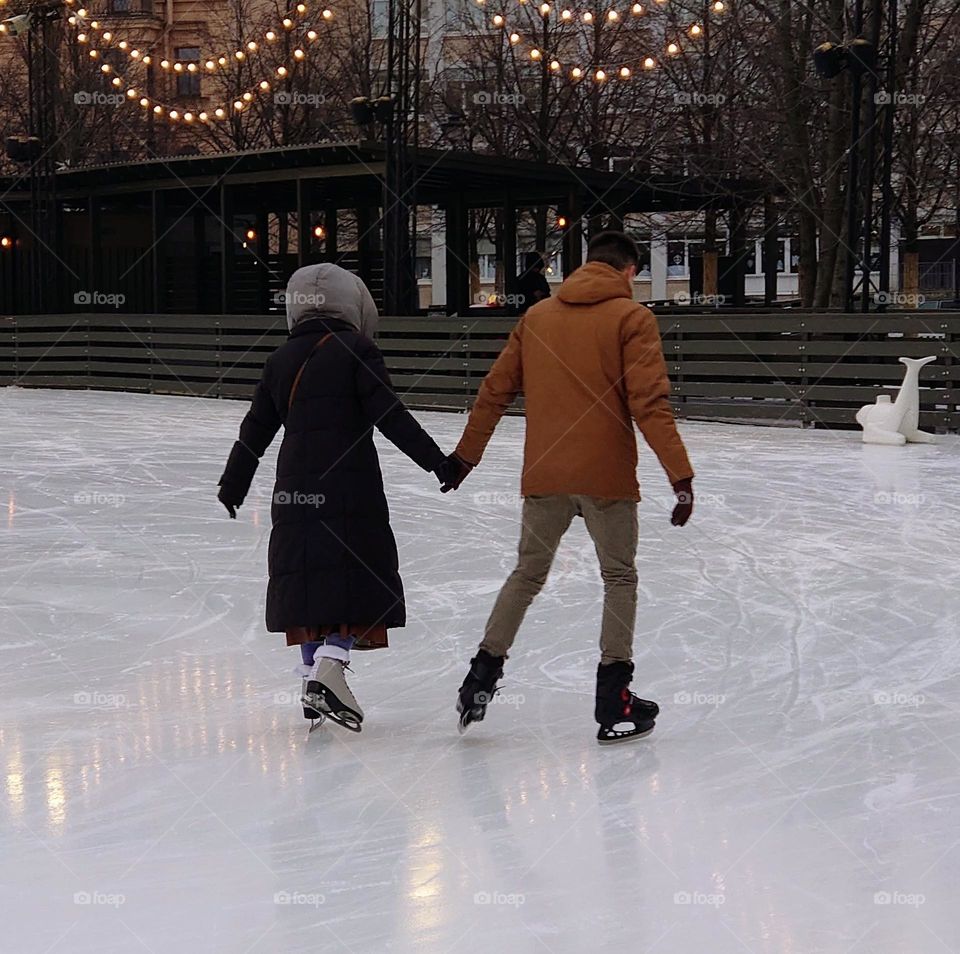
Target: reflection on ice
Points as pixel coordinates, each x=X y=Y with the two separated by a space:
x=800 y=636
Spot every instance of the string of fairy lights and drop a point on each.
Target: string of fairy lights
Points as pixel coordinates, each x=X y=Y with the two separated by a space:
x=212 y=64
x=99 y=38
x=610 y=16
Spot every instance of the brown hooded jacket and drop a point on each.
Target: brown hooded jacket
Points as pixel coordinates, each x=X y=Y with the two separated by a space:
x=589 y=362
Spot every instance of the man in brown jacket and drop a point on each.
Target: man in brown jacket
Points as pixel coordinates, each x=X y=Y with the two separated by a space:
x=589 y=362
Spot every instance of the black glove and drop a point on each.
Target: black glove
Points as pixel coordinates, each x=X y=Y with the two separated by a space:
x=237 y=477
x=452 y=472
x=684 y=508
x=231 y=496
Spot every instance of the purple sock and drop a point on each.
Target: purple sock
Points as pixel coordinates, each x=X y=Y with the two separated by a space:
x=306 y=652
x=342 y=642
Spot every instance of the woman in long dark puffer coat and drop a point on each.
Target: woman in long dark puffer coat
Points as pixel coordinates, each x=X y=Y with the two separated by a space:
x=333 y=565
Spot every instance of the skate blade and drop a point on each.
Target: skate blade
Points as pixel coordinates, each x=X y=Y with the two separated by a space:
x=467 y=719
x=330 y=707
x=613 y=737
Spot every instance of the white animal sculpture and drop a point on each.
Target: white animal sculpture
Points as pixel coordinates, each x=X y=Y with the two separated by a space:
x=897 y=422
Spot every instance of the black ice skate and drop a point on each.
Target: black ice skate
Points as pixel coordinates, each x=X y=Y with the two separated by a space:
x=327 y=692
x=479 y=687
x=618 y=706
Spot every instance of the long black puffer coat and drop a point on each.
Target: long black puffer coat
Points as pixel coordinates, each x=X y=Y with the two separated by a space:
x=332 y=557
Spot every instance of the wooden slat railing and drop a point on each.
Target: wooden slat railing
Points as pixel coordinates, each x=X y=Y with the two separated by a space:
x=787 y=366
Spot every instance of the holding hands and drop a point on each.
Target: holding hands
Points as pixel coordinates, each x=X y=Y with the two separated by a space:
x=452 y=472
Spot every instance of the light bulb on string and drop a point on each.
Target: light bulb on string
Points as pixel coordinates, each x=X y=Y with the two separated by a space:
x=545 y=9
x=637 y=9
x=718 y=7
x=566 y=15
x=535 y=54
x=696 y=30
x=514 y=37
x=673 y=49
x=287 y=23
x=576 y=72
x=624 y=72
x=270 y=35
x=600 y=76
x=649 y=63
x=498 y=20
x=328 y=14
x=588 y=17
x=555 y=65
x=613 y=16
x=298 y=54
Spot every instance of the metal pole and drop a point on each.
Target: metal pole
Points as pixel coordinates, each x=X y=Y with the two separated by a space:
x=886 y=211
x=853 y=172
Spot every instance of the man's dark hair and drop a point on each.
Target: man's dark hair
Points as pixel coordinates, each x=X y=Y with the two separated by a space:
x=613 y=248
x=533 y=262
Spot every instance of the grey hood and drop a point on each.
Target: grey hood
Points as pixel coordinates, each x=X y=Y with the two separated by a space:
x=329 y=291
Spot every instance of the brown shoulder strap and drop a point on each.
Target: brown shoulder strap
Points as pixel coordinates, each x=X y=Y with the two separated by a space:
x=296 y=380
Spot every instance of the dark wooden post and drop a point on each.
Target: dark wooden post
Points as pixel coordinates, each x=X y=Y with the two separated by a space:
x=330 y=224
x=770 y=223
x=199 y=254
x=95 y=273
x=304 y=231
x=263 y=259
x=738 y=253
x=458 y=271
x=572 y=254
x=156 y=251
x=510 y=246
x=227 y=249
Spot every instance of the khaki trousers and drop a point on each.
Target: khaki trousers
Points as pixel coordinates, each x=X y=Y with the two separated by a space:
x=612 y=525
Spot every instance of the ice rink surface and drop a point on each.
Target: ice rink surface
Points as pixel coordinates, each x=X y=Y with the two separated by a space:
x=799 y=795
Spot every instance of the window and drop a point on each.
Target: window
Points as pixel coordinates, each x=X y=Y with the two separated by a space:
x=676 y=259
x=188 y=84
x=465 y=16
x=424 y=263
x=379 y=18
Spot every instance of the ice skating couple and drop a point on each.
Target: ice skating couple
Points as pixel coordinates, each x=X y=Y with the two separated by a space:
x=589 y=362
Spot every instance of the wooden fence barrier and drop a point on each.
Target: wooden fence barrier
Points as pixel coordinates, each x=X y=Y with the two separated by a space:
x=784 y=367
